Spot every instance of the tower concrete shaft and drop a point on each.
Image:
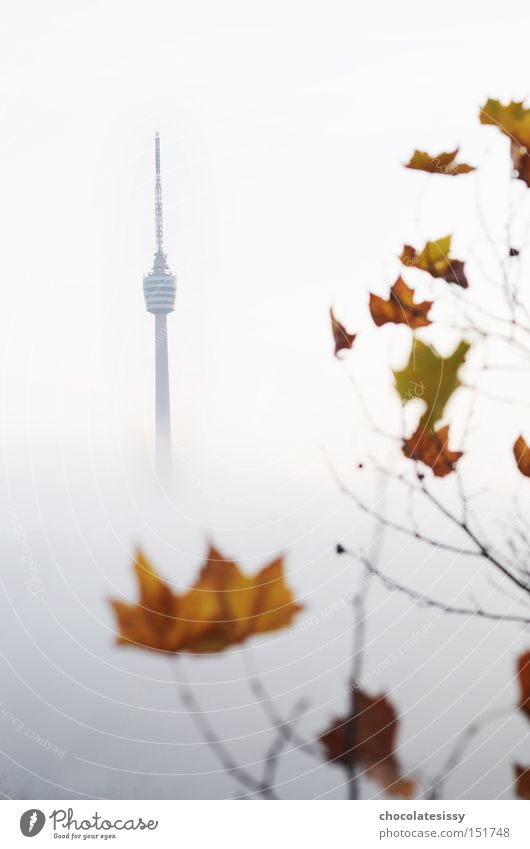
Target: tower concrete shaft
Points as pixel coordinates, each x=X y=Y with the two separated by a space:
x=162 y=406
x=159 y=295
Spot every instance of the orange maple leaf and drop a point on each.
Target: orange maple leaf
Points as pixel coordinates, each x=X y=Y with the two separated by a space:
x=343 y=340
x=443 y=163
x=222 y=608
x=368 y=737
x=400 y=307
x=521 y=453
x=431 y=447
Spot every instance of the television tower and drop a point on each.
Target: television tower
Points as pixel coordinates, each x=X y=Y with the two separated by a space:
x=159 y=294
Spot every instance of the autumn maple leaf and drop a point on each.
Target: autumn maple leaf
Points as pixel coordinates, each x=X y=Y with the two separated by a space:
x=400 y=307
x=250 y=604
x=513 y=120
x=368 y=737
x=443 y=163
x=343 y=340
x=436 y=260
x=432 y=449
x=431 y=377
x=521 y=453
x=163 y=620
x=222 y=608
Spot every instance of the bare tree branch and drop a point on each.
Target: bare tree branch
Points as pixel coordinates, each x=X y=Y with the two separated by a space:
x=283 y=737
x=222 y=753
x=396 y=526
x=427 y=601
x=461 y=746
x=463 y=524
x=277 y=721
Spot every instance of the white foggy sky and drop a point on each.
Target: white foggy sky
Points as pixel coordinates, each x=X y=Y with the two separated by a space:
x=283 y=126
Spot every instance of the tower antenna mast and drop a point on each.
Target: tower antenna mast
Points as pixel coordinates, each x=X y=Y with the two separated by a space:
x=159 y=294
x=159 y=221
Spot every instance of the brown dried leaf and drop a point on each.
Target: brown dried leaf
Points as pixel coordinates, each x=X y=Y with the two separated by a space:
x=343 y=340
x=521 y=452
x=432 y=449
x=400 y=307
x=369 y=738
x=522 y=776
x=523 y=676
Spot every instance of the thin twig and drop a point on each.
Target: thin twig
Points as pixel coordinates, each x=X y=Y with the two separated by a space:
x=359 y=627
x=461 y=745
x=428 y=601
x=277 y=721
x=465 y=527
x=202 y=723
x=396 y=526
x=281 y=740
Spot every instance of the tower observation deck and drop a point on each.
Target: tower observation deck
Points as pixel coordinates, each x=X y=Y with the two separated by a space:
x=159 y=294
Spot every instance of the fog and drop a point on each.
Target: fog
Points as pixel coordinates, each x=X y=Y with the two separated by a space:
x=283 y=129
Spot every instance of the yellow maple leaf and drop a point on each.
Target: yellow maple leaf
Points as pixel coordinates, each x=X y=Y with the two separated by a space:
x=431 y=377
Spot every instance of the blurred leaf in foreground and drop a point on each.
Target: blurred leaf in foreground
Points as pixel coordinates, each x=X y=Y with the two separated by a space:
x=224 y=607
